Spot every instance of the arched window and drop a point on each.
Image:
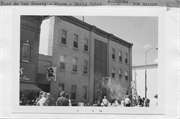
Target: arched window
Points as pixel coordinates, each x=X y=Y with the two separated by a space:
x=26 y=52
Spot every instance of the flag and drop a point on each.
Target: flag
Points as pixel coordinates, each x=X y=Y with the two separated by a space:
x=133 y=88
x=51 y=74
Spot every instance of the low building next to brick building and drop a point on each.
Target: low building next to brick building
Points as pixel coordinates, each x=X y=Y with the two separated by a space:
x=83 y=54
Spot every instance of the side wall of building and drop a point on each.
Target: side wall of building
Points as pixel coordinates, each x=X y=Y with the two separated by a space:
x=30 y=33
x=67 y=76
x=119 y=85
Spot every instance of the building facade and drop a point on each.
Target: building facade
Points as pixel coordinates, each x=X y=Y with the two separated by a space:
x=83 y=55
x=43 y=63
x=29 y=51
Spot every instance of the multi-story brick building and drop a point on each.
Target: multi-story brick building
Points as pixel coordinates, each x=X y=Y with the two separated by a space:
x=83 y=55
x=29 y=51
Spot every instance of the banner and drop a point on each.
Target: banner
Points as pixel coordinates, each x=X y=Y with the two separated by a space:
x=106 y=81
x=51 y=74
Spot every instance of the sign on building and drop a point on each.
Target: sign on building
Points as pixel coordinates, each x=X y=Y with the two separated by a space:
x=22 y=76
x=51 y=74
x=106 y=81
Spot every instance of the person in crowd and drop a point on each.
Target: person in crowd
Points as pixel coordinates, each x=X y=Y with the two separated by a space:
x=40 y=96
x=140 y=101
x=135 y=101
x=127 y=101
x=105 y=102
x=123 y=102
x=99 y=101
x=88 y=104
x=117 y=102
x=49 y=100
x=154 y=101
x=41 y=102
x=68 y=99
x=143 y=99
x=62 y=100
x=23 y=99
x=95 y=103
x=146 y=102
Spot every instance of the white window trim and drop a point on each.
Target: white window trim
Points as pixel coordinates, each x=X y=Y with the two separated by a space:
x=29 y=52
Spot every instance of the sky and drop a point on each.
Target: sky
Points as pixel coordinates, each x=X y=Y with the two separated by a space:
x=141 y=31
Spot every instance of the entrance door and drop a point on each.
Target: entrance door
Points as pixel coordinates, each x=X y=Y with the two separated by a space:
x=104 y=93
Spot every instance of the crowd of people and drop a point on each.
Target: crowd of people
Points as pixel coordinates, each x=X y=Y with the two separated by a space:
x=45 y=99
x=127 y=102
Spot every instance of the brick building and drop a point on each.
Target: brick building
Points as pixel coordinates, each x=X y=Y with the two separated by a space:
x=83 y=55
x=43 y=63
x=29 y=51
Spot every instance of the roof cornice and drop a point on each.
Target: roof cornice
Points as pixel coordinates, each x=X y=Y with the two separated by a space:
x=76 y=21
x=96 y=30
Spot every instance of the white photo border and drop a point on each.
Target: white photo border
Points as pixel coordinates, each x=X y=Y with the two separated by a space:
x=90 y=11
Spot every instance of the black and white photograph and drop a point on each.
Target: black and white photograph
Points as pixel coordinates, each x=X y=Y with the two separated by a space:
x=92 y=62
x=89 y=61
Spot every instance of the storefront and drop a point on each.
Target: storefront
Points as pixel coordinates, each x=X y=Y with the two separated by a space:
x=28 y=93
x=28 y=90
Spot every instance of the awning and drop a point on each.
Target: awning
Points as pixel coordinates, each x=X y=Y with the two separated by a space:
x=29 y=87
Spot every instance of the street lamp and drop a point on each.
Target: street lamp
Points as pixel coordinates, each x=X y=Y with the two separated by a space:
x=146 y=51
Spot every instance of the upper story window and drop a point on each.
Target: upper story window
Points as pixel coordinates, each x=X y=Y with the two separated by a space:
x=75 y=43
x=74 y=62
x=62 y=62
x=85 y=67
x=86 y=44
x=120 y=73
x=113 y=53
x=26 y=52
x=63 y=38
x=126 y=58
x=120 y=55
x=113 y=72
x=126 y=75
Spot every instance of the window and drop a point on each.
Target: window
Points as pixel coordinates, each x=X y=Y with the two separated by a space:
x=120 y=73
x=85 y=67
x=84 y=93
x=75 y=44
x=61 y=87
x=62 y=62
x=126 y=75
x=113 y=53
x=73 y=92
x=26 y=52
x=120 y=56
x=113 y=72
x=63 y=39
x=86 y=44
x=126 y=58
x=74 y=62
